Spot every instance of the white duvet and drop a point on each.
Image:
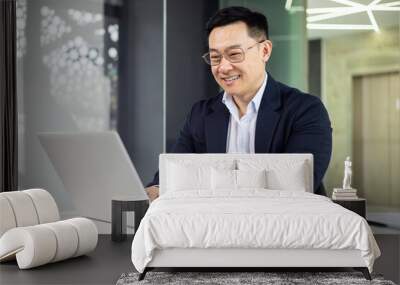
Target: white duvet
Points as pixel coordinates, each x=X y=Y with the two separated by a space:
x=250 y=219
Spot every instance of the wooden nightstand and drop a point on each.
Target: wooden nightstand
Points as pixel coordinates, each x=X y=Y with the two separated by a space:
x=358 y=206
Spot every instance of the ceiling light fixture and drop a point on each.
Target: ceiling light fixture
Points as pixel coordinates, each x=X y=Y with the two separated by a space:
x=291 y=8
x=316 y=15
x=338 y=27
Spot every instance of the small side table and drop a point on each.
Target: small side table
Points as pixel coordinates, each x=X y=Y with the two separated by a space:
x=358 y=206
x=119 y=206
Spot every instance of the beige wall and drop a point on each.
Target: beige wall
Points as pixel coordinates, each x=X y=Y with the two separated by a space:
x=342 y=58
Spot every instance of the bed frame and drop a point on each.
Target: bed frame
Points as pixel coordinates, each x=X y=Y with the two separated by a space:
x=246 y=258
x=243 y=259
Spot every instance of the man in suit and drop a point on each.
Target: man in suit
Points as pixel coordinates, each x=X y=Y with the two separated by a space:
x=255 y=113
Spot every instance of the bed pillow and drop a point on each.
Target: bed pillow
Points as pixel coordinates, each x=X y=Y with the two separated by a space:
x=293 y=179
x=189 y=175
x=223 y=179
x=281 y=175
x=237 y=179
x=251 y=178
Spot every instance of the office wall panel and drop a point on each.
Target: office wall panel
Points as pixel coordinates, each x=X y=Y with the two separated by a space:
x=189 y=78
x=140 y=102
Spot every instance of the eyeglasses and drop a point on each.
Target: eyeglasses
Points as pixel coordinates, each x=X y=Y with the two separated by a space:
x=233 y=55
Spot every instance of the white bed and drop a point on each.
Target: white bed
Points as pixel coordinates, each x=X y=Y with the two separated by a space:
x=201 y=219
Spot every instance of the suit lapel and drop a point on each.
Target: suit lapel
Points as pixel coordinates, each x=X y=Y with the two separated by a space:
x=216 y=127
x=268 y=117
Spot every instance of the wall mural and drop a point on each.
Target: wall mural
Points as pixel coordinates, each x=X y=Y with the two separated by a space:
x=83 y=18
x=52 y=26
x=79 y=48
x=20 y=26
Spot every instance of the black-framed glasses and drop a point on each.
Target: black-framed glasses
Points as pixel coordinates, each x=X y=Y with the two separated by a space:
x=233 y=55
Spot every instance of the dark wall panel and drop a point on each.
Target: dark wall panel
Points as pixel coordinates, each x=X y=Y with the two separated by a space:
x=189 y=79
x=314 y=67
x=140 y=106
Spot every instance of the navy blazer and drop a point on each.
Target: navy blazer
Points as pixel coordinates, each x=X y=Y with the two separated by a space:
x=288 y=121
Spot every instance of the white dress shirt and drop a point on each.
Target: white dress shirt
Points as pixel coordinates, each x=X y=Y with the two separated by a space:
x=242 y=131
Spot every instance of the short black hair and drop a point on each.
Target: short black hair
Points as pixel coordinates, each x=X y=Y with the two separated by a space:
x=257 y=24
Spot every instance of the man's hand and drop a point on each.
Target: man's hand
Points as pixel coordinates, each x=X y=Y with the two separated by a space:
x=152 y=192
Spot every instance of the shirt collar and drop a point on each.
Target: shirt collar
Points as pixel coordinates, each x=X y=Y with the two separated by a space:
x=255 y=102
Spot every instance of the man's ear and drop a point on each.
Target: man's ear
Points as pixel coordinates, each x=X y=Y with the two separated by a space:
x=266 y=50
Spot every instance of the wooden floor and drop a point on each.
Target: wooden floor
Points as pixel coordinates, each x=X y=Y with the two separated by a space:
x=111 y=259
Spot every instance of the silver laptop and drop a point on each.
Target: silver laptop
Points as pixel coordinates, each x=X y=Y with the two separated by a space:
x=94 y=168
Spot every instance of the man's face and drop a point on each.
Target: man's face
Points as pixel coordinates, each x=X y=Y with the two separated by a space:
x=240 y=79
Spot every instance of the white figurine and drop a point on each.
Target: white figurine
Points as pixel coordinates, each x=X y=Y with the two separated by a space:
x=347 y=174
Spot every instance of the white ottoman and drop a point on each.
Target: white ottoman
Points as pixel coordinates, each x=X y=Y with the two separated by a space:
x=31 y=232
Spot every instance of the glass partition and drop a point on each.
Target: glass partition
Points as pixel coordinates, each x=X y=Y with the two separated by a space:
x=67 y=79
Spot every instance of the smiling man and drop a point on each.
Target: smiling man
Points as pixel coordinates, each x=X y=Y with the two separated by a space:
x=255 y=113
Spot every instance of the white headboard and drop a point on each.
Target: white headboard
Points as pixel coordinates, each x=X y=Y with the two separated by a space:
x=270 y=159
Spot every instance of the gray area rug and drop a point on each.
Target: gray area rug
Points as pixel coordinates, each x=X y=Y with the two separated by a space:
x=229 y=278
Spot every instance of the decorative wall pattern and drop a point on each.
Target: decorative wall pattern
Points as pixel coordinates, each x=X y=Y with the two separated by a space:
x=75 y=50
x=83 y=18
x=111 y=36
x=52 y=26
x=21 y=23
x=77 y=82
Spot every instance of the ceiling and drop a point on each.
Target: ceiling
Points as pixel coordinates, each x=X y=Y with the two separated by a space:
x=349 y=16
